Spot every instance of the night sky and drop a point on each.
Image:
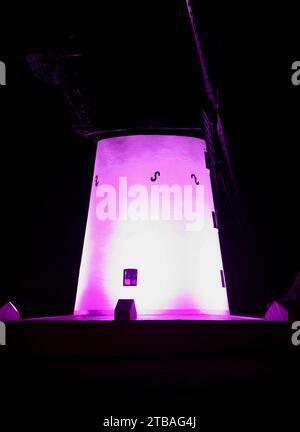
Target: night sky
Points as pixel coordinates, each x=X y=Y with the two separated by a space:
x=140 y=68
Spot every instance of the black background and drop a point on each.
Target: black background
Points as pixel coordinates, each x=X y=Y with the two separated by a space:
x=141 y=68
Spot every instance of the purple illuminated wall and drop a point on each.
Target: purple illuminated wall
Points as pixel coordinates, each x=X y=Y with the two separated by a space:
x=175 y=249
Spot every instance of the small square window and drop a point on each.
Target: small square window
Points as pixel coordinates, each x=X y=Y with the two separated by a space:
x=130 y=277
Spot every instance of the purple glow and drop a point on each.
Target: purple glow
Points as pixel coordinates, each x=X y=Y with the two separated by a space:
x=186 y=315
x=178 y=260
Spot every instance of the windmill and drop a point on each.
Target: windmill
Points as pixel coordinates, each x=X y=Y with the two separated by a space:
x=112 y=247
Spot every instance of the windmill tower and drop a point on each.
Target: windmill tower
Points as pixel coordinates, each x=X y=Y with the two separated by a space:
x=151 y=214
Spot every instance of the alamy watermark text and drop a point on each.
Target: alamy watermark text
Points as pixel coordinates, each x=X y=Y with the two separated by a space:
x=2 y=333
x=296 y=73
x=2 y=73
x=155 y=202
